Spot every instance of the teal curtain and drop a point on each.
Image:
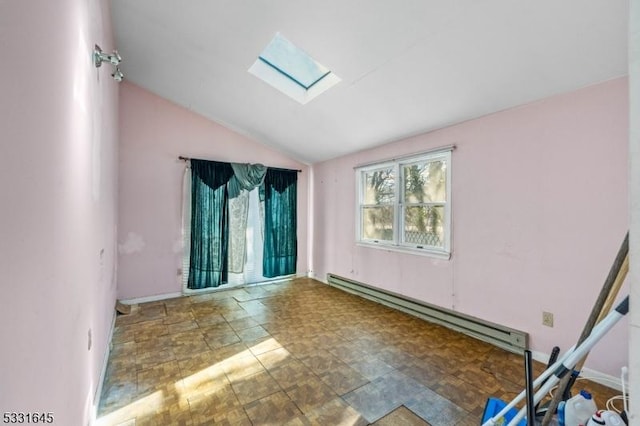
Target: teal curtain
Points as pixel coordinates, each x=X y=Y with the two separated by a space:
x=280 y=219
x=209 y=223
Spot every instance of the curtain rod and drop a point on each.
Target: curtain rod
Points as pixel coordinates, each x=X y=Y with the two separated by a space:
x=272 y=168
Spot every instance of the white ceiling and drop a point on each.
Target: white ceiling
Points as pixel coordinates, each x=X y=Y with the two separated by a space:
x=407 y=66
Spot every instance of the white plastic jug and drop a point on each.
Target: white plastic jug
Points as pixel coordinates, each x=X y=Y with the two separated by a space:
x=606 y=418
x=577 y=411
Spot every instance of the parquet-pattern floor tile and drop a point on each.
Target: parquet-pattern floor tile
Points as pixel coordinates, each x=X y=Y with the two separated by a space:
x=252 y=388
x=401 y=416
x=274 y=409
x=344 y=379
x=299 y=353
x=335 y=412
x=310 y=394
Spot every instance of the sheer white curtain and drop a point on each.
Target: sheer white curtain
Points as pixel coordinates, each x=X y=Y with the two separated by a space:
x=252 y=270
x=238 y=212
x=186 y=225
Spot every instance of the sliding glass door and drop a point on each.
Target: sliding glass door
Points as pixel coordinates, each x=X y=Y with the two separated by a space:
x=239 y=227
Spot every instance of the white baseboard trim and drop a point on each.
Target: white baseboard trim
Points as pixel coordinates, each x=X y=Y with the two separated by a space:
x=187 y=292
x=153 y=298
x=604 y=379
x=608 y=380
x=103 y=373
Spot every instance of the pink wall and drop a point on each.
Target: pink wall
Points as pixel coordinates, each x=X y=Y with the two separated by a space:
x=153 y=133
x=58 y=177
x=539 y=211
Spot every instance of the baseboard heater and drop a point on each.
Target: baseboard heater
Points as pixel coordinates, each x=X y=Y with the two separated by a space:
x=498 y=335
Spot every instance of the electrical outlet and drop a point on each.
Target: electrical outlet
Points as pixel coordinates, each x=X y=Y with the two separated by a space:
x=547 y=319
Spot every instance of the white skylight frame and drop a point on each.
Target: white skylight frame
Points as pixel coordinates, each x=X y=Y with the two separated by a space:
x=282 y=76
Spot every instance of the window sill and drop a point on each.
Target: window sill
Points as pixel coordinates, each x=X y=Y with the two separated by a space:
x=437 y=254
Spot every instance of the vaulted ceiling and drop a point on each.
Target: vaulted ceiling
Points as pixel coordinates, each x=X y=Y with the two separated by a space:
x=406 y=66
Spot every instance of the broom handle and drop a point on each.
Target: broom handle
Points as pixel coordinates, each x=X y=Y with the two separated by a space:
x=617 y=284
x=614 y=279
x=622 y=274
x=531 y=405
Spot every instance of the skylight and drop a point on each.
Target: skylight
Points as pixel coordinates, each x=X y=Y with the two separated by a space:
x=292 y=71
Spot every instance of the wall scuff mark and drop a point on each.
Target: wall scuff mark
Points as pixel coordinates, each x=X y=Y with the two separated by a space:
x=133 y=244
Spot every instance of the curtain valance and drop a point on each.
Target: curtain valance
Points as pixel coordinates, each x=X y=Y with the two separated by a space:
x=245 y=177
x=214 y=174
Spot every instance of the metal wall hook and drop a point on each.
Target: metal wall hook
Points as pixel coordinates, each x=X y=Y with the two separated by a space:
x=114 y=59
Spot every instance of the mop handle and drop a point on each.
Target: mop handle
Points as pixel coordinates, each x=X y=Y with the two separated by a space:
x=544 y=389
x=546 y=373
x=597 y=333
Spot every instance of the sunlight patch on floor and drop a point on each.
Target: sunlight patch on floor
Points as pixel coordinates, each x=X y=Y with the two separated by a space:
x=194 y=388
x=141 y=407
x=349 y=417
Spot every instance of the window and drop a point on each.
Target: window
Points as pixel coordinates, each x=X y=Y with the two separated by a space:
x=293 y=63
x=406 y=204
x=292 y=71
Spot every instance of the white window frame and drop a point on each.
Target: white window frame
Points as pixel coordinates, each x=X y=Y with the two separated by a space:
x=397 y=244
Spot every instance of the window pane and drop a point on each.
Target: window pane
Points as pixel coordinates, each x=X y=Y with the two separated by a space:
x=425 y=182
x=377 y=223
x=424 y=225
x=379 y=186
x=293 y=62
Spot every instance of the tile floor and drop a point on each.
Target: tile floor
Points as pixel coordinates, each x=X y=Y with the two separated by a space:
x=298 y=353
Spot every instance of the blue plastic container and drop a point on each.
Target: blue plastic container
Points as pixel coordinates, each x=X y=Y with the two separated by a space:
x=494 y=406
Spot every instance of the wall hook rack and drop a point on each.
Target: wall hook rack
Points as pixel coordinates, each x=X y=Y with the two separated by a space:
x=114 y=59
